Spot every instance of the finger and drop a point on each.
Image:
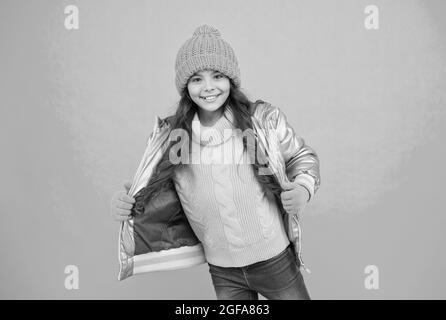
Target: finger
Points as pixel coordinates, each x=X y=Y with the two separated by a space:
x=120 y=199
x=286 y=200
x=124 y=205
x=122 y=212
x=292 y=206
x=122 y=218
x=118 y=196
x=288 y=185
x=286 y=195
x=289 y=210
x=127 y=198
x=287 y=205
x=295 y=210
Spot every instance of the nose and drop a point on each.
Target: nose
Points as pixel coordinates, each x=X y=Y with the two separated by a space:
x=208 y=85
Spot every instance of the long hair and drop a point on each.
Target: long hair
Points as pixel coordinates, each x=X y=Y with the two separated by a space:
x=162 y=178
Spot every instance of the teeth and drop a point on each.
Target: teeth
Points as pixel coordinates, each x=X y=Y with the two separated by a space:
x=210 y=98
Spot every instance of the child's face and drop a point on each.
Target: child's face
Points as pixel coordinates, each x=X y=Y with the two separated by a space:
x=209 y=83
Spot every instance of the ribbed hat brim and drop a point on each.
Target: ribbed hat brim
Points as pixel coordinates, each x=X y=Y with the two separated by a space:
x=200 y=62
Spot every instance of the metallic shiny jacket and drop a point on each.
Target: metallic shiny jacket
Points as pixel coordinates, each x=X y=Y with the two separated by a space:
x=158 y=236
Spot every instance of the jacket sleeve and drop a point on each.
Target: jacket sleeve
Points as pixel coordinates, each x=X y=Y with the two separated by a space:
x=301 y=161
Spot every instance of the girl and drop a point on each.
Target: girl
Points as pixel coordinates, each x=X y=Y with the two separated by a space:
x=233 y=205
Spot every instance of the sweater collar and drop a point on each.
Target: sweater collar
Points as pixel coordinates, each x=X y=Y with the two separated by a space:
x=215 y=135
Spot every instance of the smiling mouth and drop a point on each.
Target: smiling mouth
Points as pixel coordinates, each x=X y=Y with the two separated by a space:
x=210 y=98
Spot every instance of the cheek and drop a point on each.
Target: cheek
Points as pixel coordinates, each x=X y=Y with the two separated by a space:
x=227 y=92
x=225 y=87
x=193 y=91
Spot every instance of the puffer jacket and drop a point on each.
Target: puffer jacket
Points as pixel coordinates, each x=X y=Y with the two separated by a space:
x=158 y=236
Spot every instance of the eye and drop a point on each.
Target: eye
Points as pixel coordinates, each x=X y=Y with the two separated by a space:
x=195 y=79
x=219 y=76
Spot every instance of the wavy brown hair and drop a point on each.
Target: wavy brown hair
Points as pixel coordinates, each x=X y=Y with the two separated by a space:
x=162 y=178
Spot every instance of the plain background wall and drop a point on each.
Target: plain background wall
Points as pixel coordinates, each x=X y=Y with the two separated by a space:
x=78 y=105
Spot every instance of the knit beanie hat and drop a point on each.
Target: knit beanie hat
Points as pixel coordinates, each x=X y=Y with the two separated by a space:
x=205 y=50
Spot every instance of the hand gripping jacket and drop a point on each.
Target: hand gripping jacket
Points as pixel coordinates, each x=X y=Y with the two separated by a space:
x=158 y=236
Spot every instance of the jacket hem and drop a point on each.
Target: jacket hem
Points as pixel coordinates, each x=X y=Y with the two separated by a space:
x=170 y=259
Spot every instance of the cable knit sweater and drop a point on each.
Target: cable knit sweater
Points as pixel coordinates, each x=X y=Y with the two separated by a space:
x=237 y=223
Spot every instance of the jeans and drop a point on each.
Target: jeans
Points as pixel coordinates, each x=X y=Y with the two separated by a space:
x=278 y=278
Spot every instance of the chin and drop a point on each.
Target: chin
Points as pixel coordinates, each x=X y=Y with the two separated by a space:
x=210 y=107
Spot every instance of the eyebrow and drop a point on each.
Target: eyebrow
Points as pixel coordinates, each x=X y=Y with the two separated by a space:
x=213 y=72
